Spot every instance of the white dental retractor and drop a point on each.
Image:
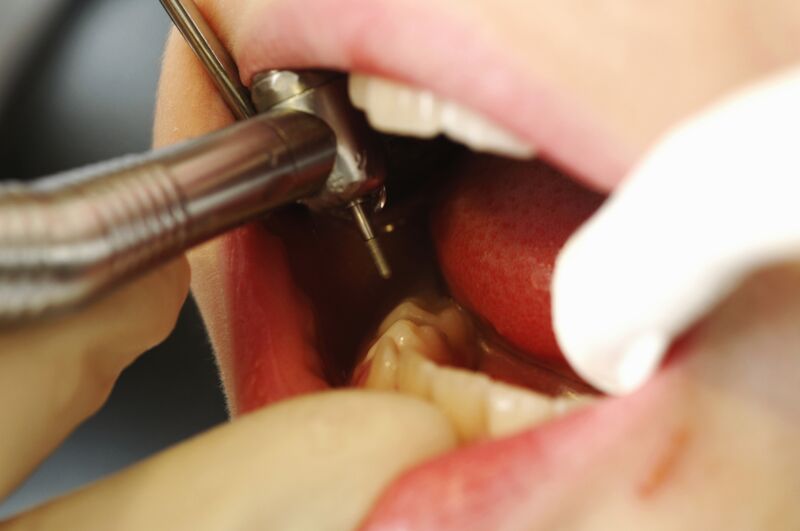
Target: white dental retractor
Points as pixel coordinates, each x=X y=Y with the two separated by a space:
x=716 y=199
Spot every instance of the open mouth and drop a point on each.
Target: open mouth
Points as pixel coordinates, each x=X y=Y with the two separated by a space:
x=464 y=326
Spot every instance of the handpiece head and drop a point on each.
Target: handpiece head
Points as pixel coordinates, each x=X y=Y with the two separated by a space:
x=356 y=182
x=359 y=168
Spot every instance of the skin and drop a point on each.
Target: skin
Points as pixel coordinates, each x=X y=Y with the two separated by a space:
x=637 y=67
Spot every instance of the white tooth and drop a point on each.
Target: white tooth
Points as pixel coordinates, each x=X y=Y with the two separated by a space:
x=415 y=375
x=425 y=339
x=310 y=446
x=511 y=410
x=463 y=125
x=383 y=369
x=461 y=395
x=397 y=108
x=568 y=403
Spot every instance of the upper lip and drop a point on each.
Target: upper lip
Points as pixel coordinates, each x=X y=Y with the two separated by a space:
x=423 y=45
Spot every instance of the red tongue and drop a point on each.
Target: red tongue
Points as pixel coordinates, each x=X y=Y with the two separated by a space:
x=497 y=231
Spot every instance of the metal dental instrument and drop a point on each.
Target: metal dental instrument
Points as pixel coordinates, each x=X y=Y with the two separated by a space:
x=356 y=173
x=66 y=239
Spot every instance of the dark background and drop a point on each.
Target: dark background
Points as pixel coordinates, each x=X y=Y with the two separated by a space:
x=77 y=85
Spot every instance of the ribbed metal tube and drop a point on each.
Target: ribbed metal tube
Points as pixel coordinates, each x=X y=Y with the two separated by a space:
x=66 y=239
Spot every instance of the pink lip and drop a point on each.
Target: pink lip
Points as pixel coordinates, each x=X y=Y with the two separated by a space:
x=521 y=481
x=420 y=44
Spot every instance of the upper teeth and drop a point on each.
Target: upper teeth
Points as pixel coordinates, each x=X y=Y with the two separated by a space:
x=396 y=108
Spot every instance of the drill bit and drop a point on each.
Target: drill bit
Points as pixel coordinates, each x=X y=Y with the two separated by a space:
x=365 y=227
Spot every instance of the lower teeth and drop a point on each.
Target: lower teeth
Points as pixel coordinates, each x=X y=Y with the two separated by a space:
x=402 y=360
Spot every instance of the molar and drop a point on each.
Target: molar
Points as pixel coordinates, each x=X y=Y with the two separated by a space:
x=404 y=359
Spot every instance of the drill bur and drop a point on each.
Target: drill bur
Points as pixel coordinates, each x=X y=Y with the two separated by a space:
x=374 y=248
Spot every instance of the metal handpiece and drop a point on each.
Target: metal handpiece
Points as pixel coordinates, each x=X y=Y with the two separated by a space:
x=68 y=238
x=357 y=171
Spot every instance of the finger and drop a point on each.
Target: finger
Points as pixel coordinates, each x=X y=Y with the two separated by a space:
x=316 y=462
x=711 y=203
x=54 y=375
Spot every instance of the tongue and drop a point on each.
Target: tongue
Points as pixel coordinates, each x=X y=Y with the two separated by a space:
x=497 y=231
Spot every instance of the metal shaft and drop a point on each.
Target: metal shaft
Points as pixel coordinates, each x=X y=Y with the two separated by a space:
x=216 y=59
x=68 y=238
x=318 y=93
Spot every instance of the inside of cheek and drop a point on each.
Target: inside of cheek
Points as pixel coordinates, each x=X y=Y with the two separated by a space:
x=331 y=266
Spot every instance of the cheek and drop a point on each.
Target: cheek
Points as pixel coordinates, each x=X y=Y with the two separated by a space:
x=188 y=104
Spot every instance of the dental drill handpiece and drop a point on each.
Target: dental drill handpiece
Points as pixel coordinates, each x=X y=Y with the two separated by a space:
x=66 y=239
x=356 y=182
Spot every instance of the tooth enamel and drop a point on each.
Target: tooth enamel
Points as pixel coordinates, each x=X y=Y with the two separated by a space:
x=396 y=108
x=415 y=375
x=448 y=323
x=405 y=359
x=511 y=410
x=383 y=369
x=461 y=395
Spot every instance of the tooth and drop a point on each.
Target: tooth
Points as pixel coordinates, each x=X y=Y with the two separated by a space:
x=405 y=359
x=461 y=396
x=415 y=375
x=383 y=369
x=511 y=410
x=396 y=108
x=447 y=319
x=569 y=403
x=328 y=455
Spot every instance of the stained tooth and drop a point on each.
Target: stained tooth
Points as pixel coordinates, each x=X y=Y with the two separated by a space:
x=396 y=108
